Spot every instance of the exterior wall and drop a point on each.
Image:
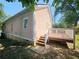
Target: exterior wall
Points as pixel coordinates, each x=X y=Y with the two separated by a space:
x=39 y=23
x=42 y=21
x=15 y=26
x=29 y=31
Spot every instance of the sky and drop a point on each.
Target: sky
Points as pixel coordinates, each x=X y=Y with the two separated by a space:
x=13 y=8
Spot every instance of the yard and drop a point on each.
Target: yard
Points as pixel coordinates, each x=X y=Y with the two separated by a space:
x=22 y=51
x=77 y=41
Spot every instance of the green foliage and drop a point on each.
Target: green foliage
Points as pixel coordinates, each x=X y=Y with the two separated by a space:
x=1 y=11
x=69 y=10
x=77 y=29
x=28 y=3
x=77 y=40
x=61 y=24
x=2 y=15
x=0 y=25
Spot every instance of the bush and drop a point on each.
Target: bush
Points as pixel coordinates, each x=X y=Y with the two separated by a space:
x=77 y=29
x=11 y=42
x=3 y=35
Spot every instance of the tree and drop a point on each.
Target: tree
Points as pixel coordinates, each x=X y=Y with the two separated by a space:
x=1 y=11
x=26 y=3
x=68 y=8
x=2 y=15
x=61 y=24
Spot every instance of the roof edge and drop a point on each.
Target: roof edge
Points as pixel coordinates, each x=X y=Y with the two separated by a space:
x=27 y=10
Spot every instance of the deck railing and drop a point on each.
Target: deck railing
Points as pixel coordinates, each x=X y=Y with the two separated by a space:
x=62 y=32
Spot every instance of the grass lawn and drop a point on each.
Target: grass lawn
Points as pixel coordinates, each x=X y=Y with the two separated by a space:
x=77 y=41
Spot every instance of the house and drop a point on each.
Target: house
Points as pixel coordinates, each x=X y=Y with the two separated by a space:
x=36 y=26
x=29 y=25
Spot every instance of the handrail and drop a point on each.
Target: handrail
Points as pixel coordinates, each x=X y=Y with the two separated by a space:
x=46 y=37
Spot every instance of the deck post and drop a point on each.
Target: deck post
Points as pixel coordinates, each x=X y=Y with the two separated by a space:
x=74 y=39
x=46 y=38
x=35 y=42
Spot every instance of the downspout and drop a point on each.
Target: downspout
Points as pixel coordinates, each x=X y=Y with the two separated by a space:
x=34 y=32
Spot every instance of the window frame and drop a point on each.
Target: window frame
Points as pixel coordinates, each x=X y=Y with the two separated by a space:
x=24 y=23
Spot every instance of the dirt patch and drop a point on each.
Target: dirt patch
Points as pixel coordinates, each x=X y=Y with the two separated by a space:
x=52 y=51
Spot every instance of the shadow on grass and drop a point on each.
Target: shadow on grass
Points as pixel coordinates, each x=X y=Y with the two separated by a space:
x=10 y=42
x=6 y=42
x=19 y=50
x=62 y=54
x=13 y=49
x=17 y=53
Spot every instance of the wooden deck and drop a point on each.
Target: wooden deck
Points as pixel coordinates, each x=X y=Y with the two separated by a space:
x=61 y=34
x=60 y=37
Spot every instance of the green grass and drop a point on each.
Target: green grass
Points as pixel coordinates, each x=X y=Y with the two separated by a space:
x=77 y=41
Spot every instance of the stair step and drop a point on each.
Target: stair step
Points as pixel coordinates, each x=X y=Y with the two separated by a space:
x=40 y=43
x=42 y=37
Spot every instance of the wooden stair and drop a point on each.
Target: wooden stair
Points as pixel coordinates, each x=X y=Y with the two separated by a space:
x=41 y=41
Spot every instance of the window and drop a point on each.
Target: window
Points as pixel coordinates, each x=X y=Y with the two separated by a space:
x=25 y=22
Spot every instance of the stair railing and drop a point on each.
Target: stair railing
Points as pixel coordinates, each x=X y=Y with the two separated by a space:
x=46 y=38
